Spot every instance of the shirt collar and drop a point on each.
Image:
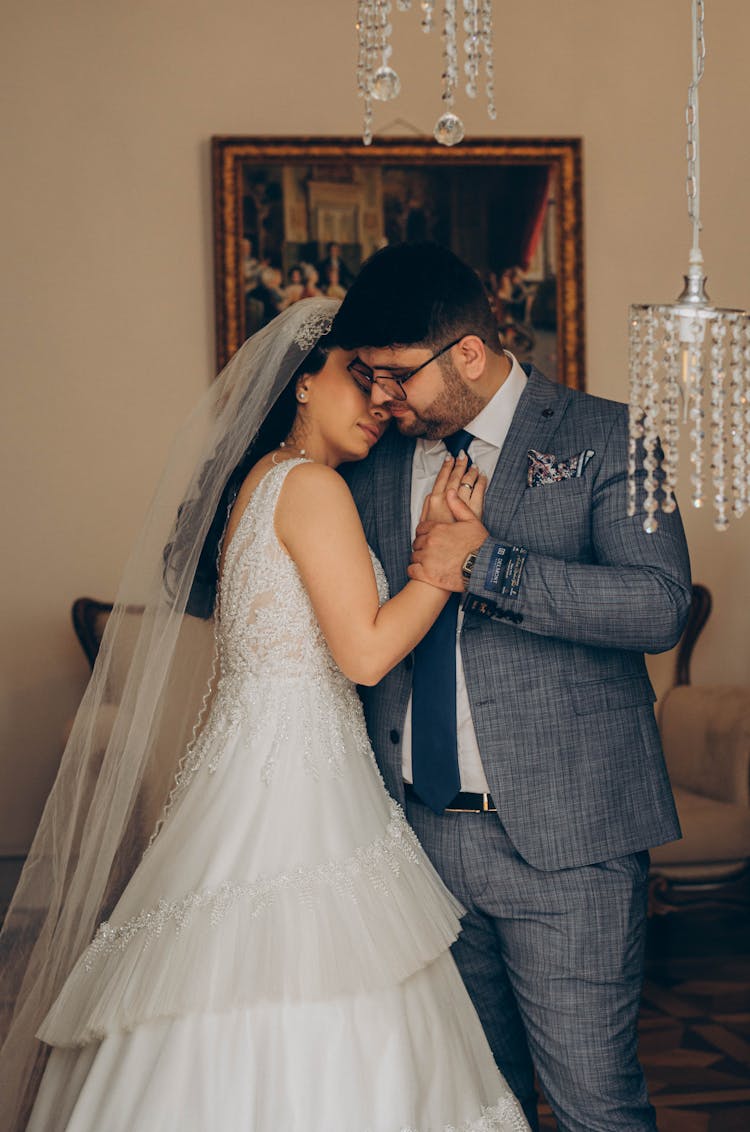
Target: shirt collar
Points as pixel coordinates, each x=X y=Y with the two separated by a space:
x=491 y=424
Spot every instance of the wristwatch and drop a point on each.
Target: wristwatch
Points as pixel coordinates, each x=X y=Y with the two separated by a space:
x=468 y=566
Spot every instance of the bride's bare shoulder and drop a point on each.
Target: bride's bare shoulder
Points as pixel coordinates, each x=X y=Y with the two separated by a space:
x=314 y=499
x=312 y=485
x=309 y=489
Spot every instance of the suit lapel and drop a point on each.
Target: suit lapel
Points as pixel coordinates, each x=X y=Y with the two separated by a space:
x=538 y=414
x=393 y=504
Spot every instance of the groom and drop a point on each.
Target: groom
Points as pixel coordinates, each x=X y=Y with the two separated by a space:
x=520 y=734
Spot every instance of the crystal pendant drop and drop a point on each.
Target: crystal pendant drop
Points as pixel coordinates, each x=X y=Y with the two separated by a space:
x=385 y=84
x=449 y=129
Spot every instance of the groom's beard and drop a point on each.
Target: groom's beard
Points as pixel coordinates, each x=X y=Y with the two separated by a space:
x=452 y=409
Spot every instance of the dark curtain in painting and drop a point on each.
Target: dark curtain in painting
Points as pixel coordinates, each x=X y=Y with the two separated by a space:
x=519 y=205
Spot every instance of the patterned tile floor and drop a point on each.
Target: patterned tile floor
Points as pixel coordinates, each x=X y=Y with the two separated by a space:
x=695 y=1023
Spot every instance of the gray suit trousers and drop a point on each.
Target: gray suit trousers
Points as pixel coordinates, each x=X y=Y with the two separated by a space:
x=553 y=963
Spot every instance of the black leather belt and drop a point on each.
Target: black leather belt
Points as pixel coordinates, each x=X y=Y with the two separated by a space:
x=463 y=803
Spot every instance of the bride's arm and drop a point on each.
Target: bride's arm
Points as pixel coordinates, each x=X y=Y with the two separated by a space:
x=318 y=525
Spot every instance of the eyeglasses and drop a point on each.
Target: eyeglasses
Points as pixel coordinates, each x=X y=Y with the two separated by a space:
x=365 y=376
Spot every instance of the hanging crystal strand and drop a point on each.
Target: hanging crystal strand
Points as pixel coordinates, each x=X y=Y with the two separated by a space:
x=738 y=391
x=746 y=406
x=636 y=408
x=695 y=401
x=487 y=51
x=403 y=5
x=670 y=404
x=650 y=424
x=428 y=15
x=361 y=24
x=718 y=432
x=449 y=129
x=366 y=14
x=472 y=46
x=385 y=83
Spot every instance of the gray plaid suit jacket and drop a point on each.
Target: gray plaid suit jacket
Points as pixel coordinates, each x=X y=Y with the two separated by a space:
x=560 y=697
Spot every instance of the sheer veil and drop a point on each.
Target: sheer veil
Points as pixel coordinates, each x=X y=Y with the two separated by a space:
x=146 y=696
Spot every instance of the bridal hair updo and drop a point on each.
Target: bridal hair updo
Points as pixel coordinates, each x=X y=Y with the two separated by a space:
x=275 y=427
x=415 y=295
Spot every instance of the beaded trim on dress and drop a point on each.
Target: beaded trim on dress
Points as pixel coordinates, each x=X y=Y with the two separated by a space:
x=398 y=842
x=505 y=1116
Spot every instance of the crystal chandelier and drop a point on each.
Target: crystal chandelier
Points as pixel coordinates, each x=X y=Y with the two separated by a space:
x=681 y=353
x=377 y=80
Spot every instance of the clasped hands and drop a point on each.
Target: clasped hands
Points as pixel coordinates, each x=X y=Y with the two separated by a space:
x=450 y=526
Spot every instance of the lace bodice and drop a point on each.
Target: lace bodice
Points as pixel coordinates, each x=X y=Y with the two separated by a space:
x=267 y=627
x=268 y=637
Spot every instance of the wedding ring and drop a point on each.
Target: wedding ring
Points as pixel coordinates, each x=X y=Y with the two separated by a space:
x=465 y=483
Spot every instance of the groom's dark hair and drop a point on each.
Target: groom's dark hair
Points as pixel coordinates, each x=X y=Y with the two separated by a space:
x=414 y=295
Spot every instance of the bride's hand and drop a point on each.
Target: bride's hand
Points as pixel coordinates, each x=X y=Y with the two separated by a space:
x=468 y=483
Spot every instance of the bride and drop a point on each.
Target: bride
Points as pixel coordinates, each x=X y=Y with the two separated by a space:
x=276 y=956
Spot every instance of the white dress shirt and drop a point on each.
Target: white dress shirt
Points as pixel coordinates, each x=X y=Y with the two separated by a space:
x=489 y=428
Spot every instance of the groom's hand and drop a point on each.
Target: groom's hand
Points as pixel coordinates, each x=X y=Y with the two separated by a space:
x=455 y=477
x=440 y=549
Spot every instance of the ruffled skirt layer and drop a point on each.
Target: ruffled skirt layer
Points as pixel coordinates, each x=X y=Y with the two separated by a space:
x=410 y=1059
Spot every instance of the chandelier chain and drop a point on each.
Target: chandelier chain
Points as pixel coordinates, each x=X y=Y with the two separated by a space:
x=692 y=119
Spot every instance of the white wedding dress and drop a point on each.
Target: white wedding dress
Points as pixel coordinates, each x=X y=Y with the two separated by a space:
x=279 y=961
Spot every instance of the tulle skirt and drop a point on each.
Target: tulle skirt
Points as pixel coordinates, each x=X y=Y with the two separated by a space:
x=280 y=960
x=410 y=1058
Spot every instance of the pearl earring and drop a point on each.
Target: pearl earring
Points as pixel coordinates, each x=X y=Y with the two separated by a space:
x=301 y=395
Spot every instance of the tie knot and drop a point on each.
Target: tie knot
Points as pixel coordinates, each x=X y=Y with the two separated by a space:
x=458 y=441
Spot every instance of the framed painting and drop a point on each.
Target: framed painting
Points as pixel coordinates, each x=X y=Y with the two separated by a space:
x=298 y=216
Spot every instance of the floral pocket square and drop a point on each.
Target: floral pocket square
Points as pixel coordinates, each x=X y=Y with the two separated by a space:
x=544 y=467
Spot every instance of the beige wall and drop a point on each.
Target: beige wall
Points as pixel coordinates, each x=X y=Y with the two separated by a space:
x=107 y=299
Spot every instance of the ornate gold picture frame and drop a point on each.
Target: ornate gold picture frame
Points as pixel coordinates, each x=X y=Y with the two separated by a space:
x=294 y=216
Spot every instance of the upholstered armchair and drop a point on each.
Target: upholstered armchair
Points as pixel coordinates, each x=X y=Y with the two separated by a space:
x=705 y=730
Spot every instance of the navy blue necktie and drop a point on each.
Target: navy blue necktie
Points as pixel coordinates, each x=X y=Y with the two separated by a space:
x=434 y=741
